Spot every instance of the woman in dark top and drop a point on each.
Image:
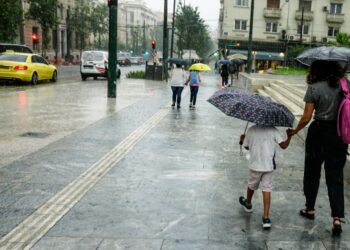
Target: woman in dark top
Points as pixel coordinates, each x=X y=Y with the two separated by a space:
x=323 y=145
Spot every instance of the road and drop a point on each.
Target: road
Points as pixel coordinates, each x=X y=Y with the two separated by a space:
x=32 y=117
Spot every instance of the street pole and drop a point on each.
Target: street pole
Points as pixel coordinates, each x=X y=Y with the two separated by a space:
x=287 y=38
x=302 y=25
x=112 y=50
x=165 y=41
x=250 y=43
x=173 y=31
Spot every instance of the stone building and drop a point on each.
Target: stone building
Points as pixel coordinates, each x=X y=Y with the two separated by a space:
x=280 y=24
x=140 y=24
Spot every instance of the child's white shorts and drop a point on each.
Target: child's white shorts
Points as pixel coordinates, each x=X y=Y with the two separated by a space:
x=264 y=179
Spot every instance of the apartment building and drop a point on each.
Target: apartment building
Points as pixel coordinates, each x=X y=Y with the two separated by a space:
x=278 y=24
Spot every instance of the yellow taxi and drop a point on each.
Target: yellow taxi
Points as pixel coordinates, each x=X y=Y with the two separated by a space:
x=26 y=67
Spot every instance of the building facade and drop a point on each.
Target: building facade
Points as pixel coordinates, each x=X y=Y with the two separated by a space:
x=279 y=24
x=140 y=25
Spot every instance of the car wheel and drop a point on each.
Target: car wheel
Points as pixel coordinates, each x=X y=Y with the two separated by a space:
x=54 y=77
x=34 y=78
x=95 y=77
x=83 y=77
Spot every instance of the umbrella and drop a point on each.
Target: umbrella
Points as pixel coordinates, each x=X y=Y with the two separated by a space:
x=179 y=61
x=257 y=109
x=237 y=61
x=225 y=61
x=199 y=67
x=237 y=56
x=324 y=53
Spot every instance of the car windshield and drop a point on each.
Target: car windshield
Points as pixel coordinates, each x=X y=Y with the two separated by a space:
x=93 y=56
x=14 y=58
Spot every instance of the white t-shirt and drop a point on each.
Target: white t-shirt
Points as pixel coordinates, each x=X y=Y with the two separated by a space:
x=178 y=78
x=262 y=142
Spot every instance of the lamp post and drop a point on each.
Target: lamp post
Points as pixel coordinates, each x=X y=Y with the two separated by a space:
x=172 y=32
x=250 y=43
x=165 y=40
x=112 y=49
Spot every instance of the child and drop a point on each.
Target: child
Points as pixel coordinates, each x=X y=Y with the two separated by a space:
x=261 y=141
x=194 y=79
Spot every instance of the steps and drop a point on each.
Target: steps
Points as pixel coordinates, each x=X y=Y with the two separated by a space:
x=286 y=94
x=290 y=95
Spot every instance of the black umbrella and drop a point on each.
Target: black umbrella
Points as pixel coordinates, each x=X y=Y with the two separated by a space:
x=325 y=53
x=237 y=61
x=249 y=107
x=179 y=61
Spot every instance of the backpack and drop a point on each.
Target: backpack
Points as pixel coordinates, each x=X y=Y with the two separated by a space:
x=194 y=78
x=343 y=121
x=232 y=68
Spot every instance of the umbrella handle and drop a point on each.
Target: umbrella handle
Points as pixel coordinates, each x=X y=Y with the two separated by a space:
x=241 y=143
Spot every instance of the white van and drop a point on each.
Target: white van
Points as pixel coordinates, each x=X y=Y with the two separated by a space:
x=93 y=64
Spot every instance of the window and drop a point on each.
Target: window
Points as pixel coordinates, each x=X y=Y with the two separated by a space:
x=333 y=31
x=242 y=3
x=305 y=4
x=240 y=24
x=305 y=29
x=273 y=4
x=271 y=27
x=336 y=8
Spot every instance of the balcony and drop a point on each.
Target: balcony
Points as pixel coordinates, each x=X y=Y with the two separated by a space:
x=272 y=13
x=308 y=15
x=335 y=18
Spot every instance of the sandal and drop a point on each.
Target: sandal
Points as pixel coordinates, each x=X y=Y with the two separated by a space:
x=306 y=213
x=337 y=230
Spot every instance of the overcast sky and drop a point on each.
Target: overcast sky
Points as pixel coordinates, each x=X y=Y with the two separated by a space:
x=209 y=9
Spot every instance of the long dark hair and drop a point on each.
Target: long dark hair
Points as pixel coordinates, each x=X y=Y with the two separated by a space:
x=328 y=71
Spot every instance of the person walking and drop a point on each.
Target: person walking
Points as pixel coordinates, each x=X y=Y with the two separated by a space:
x=177 y=82
x=224 y=75
x=261 y=141
x=232 y=69
x=194 y=79
x=323 y=145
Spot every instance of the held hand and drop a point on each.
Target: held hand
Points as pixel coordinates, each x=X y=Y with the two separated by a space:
x=290 y=132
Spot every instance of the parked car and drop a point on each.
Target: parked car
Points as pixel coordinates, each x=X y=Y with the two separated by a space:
x=124 y=59
x=94 y=64
x=14 y=47
x=26 y=67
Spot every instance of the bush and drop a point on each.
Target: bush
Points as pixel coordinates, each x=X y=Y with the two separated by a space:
x=136 y=74
x=289 y=71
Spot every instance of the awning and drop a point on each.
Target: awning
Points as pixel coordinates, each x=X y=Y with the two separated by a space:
x=260 y=55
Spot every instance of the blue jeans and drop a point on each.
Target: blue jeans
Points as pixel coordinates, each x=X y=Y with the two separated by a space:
x=194 y=92
x=177 y=91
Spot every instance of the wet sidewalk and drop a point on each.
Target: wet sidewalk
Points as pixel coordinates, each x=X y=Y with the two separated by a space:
x=151 y=177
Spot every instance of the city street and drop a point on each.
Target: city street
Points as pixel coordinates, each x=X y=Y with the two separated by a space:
x=81 y=171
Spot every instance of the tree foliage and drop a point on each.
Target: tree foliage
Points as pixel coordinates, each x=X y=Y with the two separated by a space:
x=45 y=13
x=191 y=30
x=99 y=24
x=81 y=22
x=10 y=19
x=343 y=39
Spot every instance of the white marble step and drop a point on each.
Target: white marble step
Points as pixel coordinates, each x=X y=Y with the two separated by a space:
x=294 y=108
x=288 y=94
x=298 y=90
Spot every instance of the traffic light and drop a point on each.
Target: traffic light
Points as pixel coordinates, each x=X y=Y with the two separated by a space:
x=154 y=43
x=112 y=2
x=35 y=38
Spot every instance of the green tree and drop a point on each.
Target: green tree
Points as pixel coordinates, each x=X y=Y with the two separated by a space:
x=343 y=39
x=81 y=23
x=45 y=13
x=99 y=23
x=191 y=30
x=10 y=19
